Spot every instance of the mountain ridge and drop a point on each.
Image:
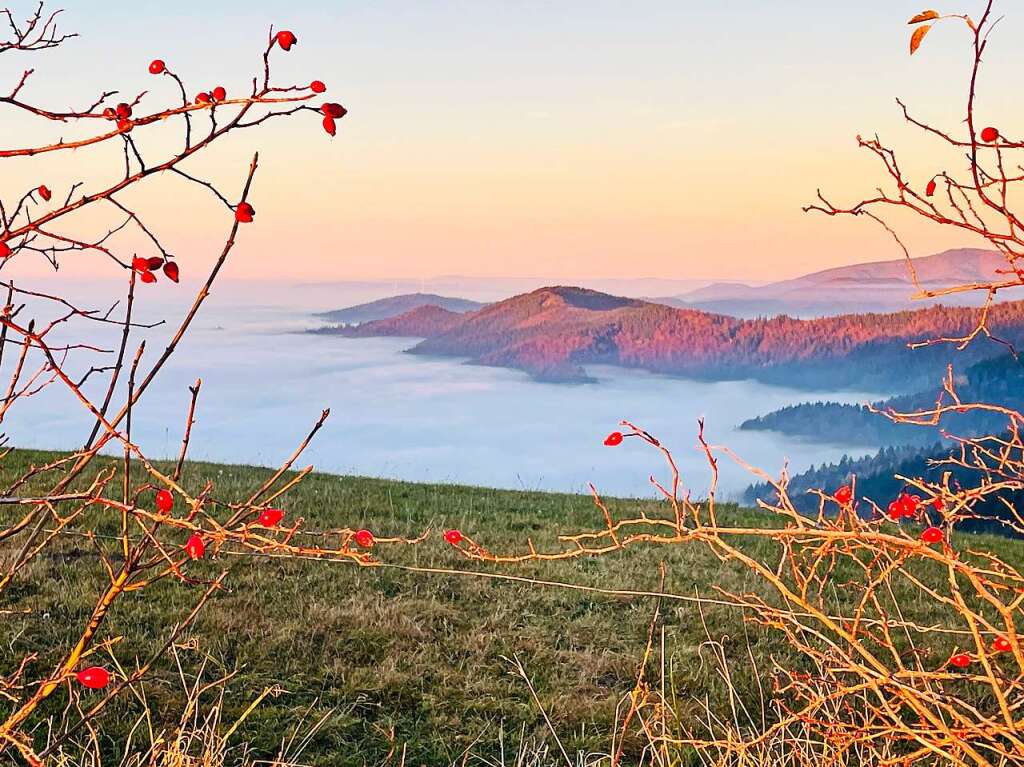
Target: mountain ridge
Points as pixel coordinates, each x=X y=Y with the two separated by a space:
x=552 y=333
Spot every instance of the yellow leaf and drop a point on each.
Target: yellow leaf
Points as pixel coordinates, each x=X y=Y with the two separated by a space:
x=924 y=16
x=917 y=37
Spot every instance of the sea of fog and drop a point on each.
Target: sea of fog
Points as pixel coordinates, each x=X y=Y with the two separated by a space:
x=404 y=416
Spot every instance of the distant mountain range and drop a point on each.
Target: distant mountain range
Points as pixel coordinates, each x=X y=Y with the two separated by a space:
x=552 y=333
x=386 y=308
x=876 y=286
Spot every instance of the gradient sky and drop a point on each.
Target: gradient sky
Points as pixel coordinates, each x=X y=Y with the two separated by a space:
x=652 y=138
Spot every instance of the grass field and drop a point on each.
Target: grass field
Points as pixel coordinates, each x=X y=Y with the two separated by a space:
x=395 y=657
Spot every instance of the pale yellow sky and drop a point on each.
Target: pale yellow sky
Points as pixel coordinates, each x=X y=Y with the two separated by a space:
x=550 y=140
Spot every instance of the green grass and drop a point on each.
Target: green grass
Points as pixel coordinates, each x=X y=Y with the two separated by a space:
x=383 y=650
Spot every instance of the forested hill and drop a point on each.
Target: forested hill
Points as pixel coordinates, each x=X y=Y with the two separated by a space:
x=554 y=332
x=385 y=308
x=877 y=479
x=997 y=381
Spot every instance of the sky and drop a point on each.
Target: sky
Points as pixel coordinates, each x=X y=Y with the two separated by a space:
x=558 y=140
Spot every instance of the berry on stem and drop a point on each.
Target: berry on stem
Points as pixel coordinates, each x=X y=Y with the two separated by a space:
x=932 y=535
x=245 y=213
x=203 y=98
x=989 y=135
x=154 y=263
x=960 y=660
x=123 y=111
x=844 y=494
x=157 y=66
x=270 y=517
x=286 y=39
x=195 y=547
x=365 y=539
x=454 y=537
x=44 y=192
x=1001 y=644
x=147 y=277
x=94 y=677
x=332 y=109
x=171 y=271
x=613 y=439
x=317 y=86
x=329 y=125
x=5 y=249
x=219 y=93
x=164 y=500
x=930 y=189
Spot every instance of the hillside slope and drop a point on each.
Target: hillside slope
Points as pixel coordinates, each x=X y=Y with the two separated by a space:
x=874 y=286
x=554 y=332
x=998 y=381
x=385 y=308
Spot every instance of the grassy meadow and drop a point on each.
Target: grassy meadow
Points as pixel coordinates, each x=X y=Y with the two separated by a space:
x=391 y=658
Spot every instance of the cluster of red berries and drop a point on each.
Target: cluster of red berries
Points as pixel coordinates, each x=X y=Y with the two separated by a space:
x=212 y=97
x=963 y=660
x=146 y=266
x=905 y=505
x=121 y=114
x=332 y=112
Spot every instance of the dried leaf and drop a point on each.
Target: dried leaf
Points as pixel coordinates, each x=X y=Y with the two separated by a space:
x=924 y=16
x=917 y=37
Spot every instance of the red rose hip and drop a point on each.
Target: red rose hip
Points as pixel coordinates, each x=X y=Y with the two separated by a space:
x=286 y=39
x=157 y=66
x=195 y=548
x=94 y=677
x=365 y=539
x=932 y=535
x=270 y=517
x=1001 y=644
x=454 y=537
x=164 y=500
x=989 y=135
x=219 y=93
x=317 y=86
x=171 y=271
x=44 y=192
x=960 y=660
x=245 y=213
x=332 y=109
x=613 y=439
x=844 y=494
